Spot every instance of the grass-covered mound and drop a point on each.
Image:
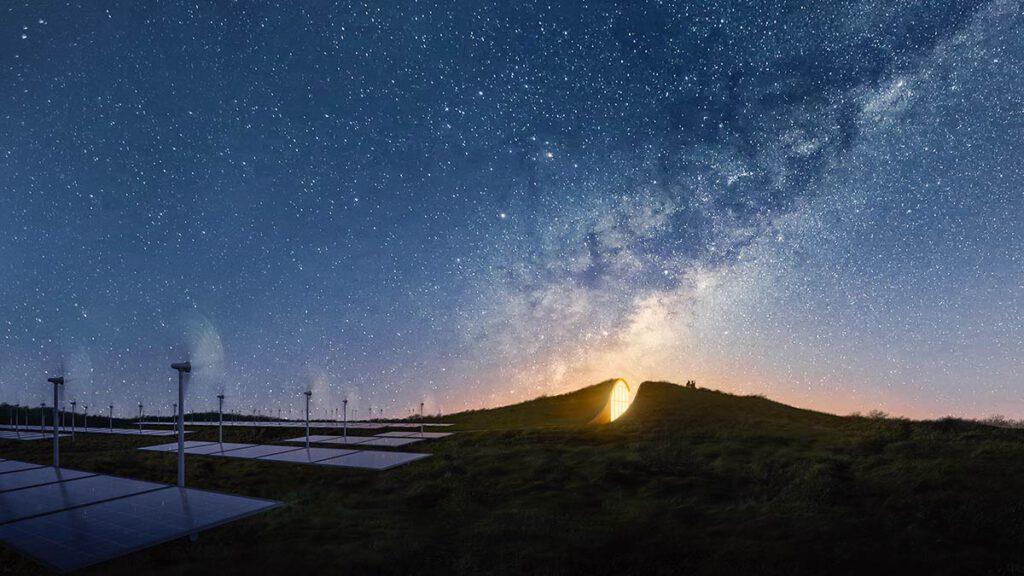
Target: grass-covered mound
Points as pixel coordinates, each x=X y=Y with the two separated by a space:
x=689 y=481
x=571 y=409
x=667 y=404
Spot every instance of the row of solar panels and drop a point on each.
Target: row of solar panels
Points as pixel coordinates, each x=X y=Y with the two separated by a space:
x=68 y=519
x=24 y=435
x=297 y=424
x=361 y=441
x=388 y=439
x=341 y=457
x=91 y=430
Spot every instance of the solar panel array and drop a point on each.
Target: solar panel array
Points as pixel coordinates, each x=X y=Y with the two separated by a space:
x=67 y=519
x=374 y=459
x=38 y=477
x=66 y=430
x=257 y=451
x=416 y=434
x=172 y=447
x=308 y=455
x=361 y=441
x=367 y=459
x=25 y=435
x=15 y=466
x=24 y=503
x=302 y=424
x=216 y=448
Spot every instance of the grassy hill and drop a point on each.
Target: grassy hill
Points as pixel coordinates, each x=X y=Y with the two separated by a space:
x=688 y=481
x=571 y=409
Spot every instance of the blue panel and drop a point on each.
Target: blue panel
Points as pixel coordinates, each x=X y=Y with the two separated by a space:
x=15 y=466
x=130 y=431
x=217 y=447
x=257 y=451
x=391 y=442
x=308 y=455
x=26 y=436
x=173 y=446
x=312 y=438
x=373 y=459
x=20 y=504
x=349 y=440
x=321 y=439
x=430 y=434
x=38 y=477
x=81 y=537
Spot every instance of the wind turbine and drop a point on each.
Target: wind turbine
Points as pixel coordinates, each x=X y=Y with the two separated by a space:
x=110 y=419
x=344 y=414
x=182 y=368
x=220 y=418
x=307 y=393
x=75 y=370
x=140 y=417
x=58 y=385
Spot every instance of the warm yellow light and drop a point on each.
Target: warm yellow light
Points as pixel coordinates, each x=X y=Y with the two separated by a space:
x=621 y=399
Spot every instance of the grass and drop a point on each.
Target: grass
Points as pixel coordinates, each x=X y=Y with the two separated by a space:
x=689 y=481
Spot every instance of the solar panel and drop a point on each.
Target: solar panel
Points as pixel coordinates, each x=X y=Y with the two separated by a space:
x=416 y=434
x=15 y=466
x=27 y=436
x=373 y=459
x=215 y=448
x=126 y=431
x=38 y=477
x=320 y=439
x=308 y=455
x=348 y=440
x=391 y=442
x=312 y=438
x=28 y=502
x=73 y=539
x=173 y=446
x=256 y=451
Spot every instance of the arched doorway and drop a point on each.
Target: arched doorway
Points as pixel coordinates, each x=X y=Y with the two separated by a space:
x=620 y=401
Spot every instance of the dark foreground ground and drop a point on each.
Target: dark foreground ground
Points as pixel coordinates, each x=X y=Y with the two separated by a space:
x=688 y=482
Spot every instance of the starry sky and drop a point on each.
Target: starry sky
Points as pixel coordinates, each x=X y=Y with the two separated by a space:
x=470 y=203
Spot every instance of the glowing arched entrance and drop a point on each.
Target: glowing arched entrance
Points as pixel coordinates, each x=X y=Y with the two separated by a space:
x=620 y=401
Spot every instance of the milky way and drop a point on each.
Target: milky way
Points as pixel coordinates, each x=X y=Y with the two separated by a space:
x=474 y=203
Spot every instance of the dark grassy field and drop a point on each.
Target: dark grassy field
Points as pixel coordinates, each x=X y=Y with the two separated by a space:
x=689 y=481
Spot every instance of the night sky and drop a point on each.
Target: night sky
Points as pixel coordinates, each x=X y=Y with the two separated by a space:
x=473 y=203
